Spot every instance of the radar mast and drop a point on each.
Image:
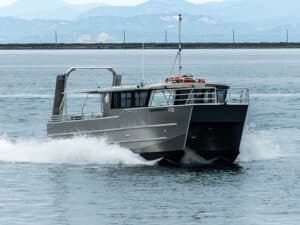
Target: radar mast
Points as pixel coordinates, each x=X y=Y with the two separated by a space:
x=178 y=55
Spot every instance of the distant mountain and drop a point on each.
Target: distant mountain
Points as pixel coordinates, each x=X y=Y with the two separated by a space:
x=150 y=28
x=228 y=10
x=253 y=20
x=253 y=10
x=152 y=7
x=43 y=9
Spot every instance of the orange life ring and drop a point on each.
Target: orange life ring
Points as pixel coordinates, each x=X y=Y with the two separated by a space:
x=184 y=79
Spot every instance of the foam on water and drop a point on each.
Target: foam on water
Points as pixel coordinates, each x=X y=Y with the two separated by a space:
x=259 y=145
x=76 y=151
x=256 y=145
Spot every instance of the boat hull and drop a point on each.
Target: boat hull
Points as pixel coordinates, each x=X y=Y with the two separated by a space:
x=211 y=132
x=215 y=132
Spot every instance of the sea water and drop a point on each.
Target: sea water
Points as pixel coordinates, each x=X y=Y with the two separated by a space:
x=87 y=181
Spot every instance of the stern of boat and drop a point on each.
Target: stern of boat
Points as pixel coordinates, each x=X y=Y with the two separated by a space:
x=215 y=132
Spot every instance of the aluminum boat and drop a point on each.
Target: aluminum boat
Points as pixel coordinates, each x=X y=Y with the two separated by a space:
x=160 y=121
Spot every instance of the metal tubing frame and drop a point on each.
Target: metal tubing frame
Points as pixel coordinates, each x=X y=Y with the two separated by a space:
x=73 y=69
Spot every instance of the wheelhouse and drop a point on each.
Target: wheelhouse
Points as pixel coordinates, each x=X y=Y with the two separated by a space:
x=111 y=101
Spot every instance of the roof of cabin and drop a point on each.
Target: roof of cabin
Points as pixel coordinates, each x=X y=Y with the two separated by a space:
x=150 y=87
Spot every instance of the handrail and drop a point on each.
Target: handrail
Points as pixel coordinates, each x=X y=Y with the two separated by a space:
x=116 y=80
x=207 y=96
x=72 y=117
x=238 y=96
x=72 y=69
x=116 y=77
x=84 y=104
x=175 y=97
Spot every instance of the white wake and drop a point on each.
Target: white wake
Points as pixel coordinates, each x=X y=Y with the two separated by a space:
x=77 y=151
x=256 y=145
x=259 y=145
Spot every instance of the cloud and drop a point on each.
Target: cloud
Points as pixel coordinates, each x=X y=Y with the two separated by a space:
x=103 y=37
x=169 y=18
x=207 y=21
x=84 y=38
x=6 y=2
x=171 y=26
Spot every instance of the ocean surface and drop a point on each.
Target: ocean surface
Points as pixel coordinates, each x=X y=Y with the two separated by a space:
x=86 y=181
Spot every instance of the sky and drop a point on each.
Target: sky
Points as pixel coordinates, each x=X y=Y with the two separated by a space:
x=109 y=2
x=130 y=2
x=5 y=2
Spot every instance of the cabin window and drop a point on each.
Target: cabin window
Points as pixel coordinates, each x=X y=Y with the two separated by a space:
x=116 y=100
x=182 y=96
x=202 y=96
x=126 y=99
x=162 y=98
x=221 y=96
x=129 y=99
x=141 y=98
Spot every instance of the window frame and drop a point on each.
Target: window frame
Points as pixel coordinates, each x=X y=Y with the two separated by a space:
x=130 y=97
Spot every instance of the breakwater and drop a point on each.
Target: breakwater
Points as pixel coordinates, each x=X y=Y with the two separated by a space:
x=150 y=45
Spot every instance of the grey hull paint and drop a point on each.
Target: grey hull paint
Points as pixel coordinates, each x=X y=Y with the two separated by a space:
x=166 y=131
x=142 y=130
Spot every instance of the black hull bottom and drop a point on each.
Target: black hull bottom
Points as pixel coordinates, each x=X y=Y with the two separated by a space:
x=213 y=138
x=215 y=133
x=190 y=158
x=215 y=142
x=172 y=155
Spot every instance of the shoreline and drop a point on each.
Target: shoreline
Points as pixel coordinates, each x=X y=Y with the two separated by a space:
x=248 y=45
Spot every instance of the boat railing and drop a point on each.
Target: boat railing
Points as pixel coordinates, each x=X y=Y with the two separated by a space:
x=171 y=97
x=238 y=96
x=74 y=117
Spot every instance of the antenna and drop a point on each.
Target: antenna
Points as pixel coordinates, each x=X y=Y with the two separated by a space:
x=55 y=36
x=124 y=36
x=166 y=36
x=179 y=45
x=233 y=36
x=143 y=64
x=178 y=55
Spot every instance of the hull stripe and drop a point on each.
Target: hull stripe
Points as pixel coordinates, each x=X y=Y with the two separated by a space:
x=113 y=130
x=141 y=140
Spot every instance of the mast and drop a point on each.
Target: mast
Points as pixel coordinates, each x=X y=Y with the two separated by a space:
x=178 y=55
x=179 y=44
